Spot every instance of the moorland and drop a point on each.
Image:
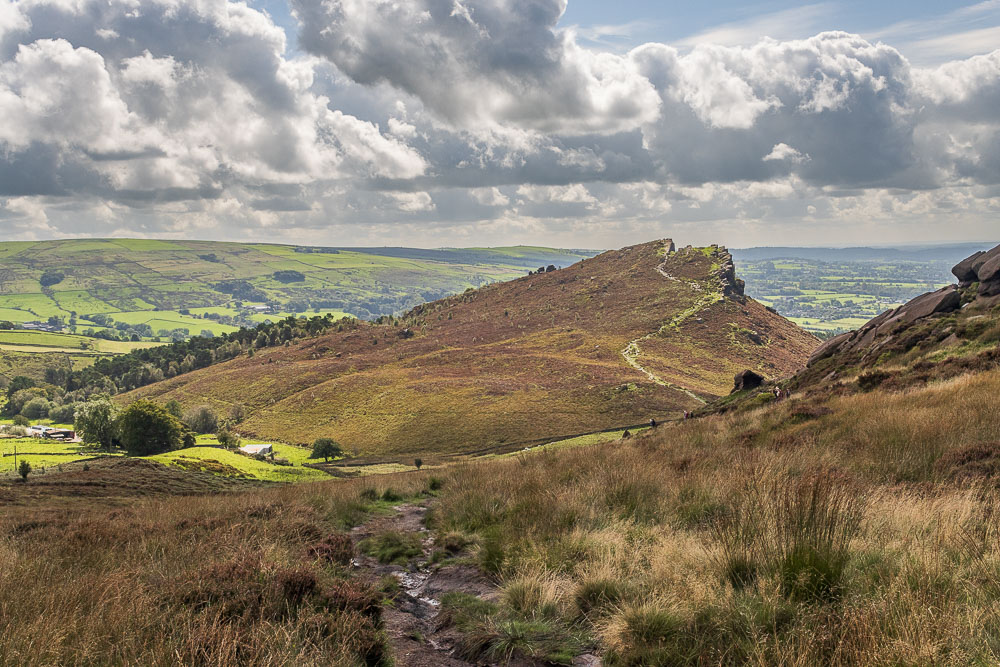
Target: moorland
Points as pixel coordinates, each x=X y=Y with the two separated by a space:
x=841 y=513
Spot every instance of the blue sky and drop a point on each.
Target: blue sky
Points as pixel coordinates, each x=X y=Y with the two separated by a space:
x=927 y=32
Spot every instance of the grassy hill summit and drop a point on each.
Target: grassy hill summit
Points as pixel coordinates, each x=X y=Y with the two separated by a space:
x=642 y=332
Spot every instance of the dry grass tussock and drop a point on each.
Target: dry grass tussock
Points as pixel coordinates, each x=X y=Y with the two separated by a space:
x=859 y=531
x=251 y=579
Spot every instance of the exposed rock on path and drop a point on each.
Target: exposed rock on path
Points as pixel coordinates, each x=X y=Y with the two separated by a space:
x=416 y=637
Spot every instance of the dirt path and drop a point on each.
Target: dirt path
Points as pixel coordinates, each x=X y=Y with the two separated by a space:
x=632 y=351
x=410 y=623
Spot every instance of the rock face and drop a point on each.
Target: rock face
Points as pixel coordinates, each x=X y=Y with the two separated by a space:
x=747 y=380
x=732 y=286
x=982 y=268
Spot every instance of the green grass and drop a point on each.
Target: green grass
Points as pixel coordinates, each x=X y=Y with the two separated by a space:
x=66 y=342
x=40 y=453
x=221 y=461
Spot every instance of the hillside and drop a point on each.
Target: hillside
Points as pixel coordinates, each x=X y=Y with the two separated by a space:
x=610 y=341
x=149 y=281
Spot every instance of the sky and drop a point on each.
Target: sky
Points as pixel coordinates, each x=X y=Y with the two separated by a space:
x=429 y=123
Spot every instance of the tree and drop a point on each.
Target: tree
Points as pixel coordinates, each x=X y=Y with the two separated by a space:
x=228 y=439
x=173 y=406
x=202 y=420
x=237 y=413
x=24 y=470
x=326 y=449
x=418 y=463
x=36 y=408
x=95 y=420
x=146 y=428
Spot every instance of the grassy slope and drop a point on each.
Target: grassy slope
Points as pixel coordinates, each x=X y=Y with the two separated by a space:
x=840 y=530
x=533 y=358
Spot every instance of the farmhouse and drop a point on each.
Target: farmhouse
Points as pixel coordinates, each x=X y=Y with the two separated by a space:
x=40 y=326
x=257 y=450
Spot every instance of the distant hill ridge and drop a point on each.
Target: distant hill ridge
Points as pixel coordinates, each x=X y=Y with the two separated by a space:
x=943 y=252
x=644 y=331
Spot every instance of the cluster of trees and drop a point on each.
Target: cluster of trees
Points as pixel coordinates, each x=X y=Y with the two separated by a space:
x=240 y=289
x=51 y=277
x=141 y=367
x=31 y=400
x=289 y=276
x=144 y=428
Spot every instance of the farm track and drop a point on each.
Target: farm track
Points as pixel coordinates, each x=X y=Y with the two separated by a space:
x=632 y=351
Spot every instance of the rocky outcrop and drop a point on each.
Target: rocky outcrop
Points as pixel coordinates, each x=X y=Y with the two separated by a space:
x=732 y=286
x=747 y=380
x=944 y=300
x=982 y=268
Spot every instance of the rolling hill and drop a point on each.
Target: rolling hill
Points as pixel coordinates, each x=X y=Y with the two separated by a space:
x=632 y=334
x=150 y=281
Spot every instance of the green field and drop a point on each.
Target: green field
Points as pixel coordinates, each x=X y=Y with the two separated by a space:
x=226 y=463
x=829 y=297
x=40 y=453
x=141 y=281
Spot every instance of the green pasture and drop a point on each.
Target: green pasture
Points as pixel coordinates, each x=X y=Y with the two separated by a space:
x=227 y=463
x=171 y=319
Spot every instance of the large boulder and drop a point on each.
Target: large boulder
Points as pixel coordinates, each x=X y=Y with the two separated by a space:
x=990 y=270
x=965 y=270
x=747 y=380
x=982 y=267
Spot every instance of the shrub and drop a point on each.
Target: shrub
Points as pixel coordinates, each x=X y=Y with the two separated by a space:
x=21 y=420
x=334 y=548
x=369 y=493
x=872 y=380
x=390 y=495
x=24 y=469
